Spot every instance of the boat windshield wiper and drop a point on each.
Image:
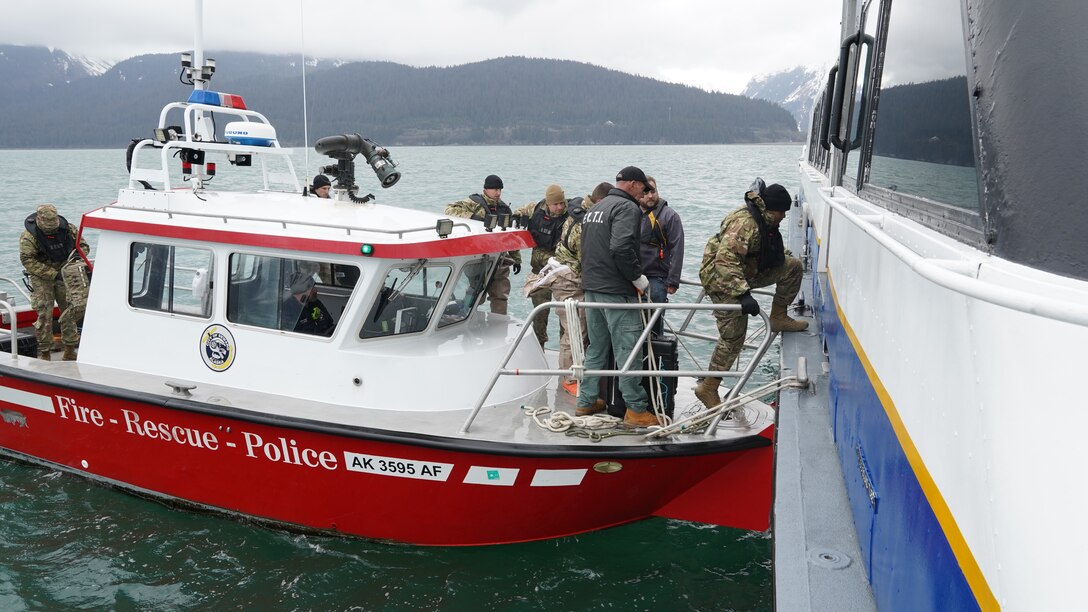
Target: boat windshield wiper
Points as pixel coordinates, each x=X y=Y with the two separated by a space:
x=388 y=294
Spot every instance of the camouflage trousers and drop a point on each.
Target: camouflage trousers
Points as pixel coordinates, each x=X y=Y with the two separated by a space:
x=46 y=292
x=540 y=323
x=498 y=290
x=567 y=284
x=733 y=324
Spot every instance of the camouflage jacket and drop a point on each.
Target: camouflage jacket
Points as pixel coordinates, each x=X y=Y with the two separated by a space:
x=731 y=257
x=468 y=209
x=569 y=249
x=36 y=263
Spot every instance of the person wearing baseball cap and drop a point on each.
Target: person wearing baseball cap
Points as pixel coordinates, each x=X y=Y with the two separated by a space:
x=45 y=245
x=302 y=311
x=612 y=273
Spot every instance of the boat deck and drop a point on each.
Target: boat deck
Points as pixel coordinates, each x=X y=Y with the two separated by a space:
x=817 y=560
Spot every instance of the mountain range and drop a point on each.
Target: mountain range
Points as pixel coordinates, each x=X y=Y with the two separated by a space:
x=54 y=100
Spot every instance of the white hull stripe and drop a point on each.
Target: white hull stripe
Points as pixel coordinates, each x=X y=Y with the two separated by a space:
x=503 y=477
x=27 y=399
x=558 y=478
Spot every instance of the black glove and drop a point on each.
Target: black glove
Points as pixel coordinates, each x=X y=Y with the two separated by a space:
x=748 y=304
x=517 y=268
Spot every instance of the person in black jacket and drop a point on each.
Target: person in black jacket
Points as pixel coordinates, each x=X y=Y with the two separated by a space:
x=612 y=273
x=303 y=312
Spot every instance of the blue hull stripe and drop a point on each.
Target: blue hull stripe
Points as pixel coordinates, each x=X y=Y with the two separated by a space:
x=914 y=552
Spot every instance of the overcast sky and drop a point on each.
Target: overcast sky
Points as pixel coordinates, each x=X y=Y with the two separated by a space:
x=716 y=45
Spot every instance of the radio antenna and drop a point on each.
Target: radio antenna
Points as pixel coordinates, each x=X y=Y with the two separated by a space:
x=305 y=119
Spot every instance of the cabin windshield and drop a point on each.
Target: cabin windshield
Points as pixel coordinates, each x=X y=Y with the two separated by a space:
x=294 y=295
x=468 y=287
x=407 y=300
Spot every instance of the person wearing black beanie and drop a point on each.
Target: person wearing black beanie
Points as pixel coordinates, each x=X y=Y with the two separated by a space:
x=321 y=186
x=478 y=206
x=747 y=253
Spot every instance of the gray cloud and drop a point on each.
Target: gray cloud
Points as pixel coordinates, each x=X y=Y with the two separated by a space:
x=715 y=45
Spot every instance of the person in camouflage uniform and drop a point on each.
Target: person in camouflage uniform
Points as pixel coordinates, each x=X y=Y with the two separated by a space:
x=746 y=253
x=477 y=207
x=544 y=220
x=44 y=247
x=568 y=282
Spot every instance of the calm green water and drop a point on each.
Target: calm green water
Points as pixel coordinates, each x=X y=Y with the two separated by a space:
x=66 y=543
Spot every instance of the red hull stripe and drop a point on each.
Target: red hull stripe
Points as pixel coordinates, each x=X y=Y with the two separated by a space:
x=495 y=242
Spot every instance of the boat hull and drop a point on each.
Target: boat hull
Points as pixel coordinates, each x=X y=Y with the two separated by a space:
x=907 y=556
x=376 y=484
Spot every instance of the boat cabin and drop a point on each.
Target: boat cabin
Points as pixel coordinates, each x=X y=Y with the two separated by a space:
x=335 y=300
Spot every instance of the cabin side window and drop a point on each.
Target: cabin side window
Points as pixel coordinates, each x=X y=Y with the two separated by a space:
x=407 y=300
x=468 y=287
x=295 y=295
x=923 y=143
x=172 y=279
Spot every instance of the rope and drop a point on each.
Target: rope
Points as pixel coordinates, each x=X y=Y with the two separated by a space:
x=565 y=422
x=574 y=334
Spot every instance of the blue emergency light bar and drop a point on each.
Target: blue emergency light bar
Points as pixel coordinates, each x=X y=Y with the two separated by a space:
x=214 y=98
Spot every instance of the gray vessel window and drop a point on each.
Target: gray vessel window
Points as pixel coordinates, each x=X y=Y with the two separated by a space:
x=923 y=144
x=468 y=287
x=296 y=295
x=171 y=279
x=407 y=300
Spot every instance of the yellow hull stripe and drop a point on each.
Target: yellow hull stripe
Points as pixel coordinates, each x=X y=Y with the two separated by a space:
x=966 y=560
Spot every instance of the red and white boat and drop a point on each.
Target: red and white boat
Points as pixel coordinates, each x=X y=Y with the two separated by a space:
x=363 y=431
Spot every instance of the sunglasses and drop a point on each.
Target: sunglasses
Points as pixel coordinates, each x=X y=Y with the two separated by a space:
x=648 y=189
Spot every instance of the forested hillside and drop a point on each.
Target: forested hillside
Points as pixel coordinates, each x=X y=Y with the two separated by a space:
x=511 y=100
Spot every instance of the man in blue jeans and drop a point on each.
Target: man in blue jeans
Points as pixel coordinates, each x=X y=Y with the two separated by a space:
x=612 y=273
x=661 y=247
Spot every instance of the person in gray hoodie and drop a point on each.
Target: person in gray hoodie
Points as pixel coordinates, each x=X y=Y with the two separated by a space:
x=661 y=247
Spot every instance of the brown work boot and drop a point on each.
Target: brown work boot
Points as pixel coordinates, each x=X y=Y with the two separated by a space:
x=46 y=356
x=707 y=392
x=646 y=418
x=69 y=353
x=598 y=406
x=781 y=322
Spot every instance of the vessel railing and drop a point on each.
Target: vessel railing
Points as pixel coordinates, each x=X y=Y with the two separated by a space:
x=282 y=222
x=13 y=330
x=961 y=276
x=636 y=352
x=185 y=140
x=683 y=329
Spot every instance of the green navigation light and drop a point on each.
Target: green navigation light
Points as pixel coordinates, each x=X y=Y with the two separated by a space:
x=367 y=249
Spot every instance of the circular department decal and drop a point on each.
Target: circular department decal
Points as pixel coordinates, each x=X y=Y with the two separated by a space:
x=217 y=348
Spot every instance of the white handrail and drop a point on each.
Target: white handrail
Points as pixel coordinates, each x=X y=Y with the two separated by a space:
x=937 y=272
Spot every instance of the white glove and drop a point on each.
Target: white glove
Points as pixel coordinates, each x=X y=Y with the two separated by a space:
x=641 y=283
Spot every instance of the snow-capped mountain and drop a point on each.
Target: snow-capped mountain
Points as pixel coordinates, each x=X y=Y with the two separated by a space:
x=794 y=89
x=93 y=66
x=38 y=66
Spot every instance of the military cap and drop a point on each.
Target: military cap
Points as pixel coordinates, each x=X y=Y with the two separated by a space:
x=46 y=218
